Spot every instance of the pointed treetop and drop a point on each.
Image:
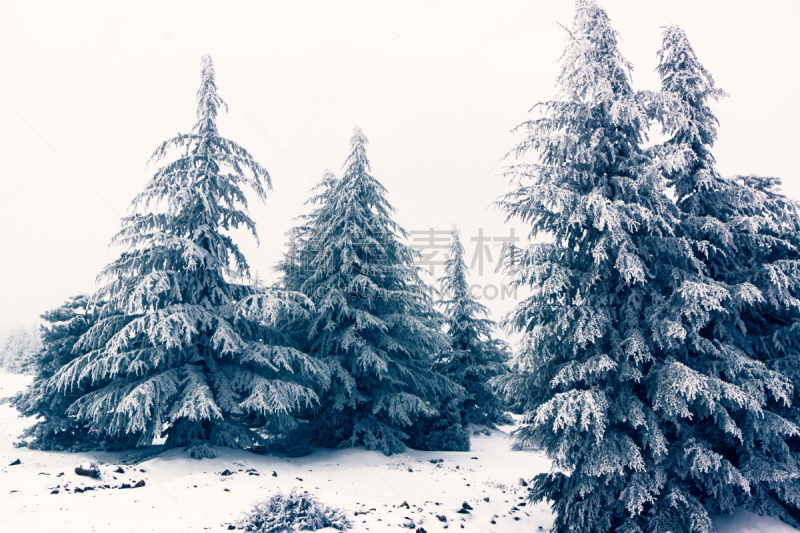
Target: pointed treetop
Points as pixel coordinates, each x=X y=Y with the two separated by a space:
x=357 y=160
x=208 y=100
x=592 y=63
x=683 y=75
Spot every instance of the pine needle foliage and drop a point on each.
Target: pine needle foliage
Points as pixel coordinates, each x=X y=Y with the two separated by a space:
x=55 y=429
x=373 y=321
x=474 y=356
x=180 y=348
x=746 y=233
x=643 y=408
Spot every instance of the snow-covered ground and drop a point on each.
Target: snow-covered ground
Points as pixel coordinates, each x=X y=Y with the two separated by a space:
x=181 y=494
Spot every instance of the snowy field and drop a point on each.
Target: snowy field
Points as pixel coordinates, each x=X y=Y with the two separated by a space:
x=181 y=494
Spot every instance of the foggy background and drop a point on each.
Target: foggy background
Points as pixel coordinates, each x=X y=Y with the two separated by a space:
x=89 y=89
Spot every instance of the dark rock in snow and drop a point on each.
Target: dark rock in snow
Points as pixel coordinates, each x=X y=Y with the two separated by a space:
x=119 y=470
x=274 y=474
x=54 y=492
x=462 y=511
x=17 y=462
x=299 y=479
x=226 y=472
x=139 y=484
x=253 y=474
x=474 y=458
x=441 y=518
x=466 y=506
x=405 y=504
x=92 y=471
x=523 y=482
x=78 y=490
x=486 y=499
x=226 y=490
x=125 y=486
x=492 y=521
x=421 y=530
x=231 y=526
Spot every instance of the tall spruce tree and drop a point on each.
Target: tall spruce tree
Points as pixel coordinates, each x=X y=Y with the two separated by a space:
x=625 y=388
x=179 y=347
x=474 y=356
x=373 y=321
x=747 y=235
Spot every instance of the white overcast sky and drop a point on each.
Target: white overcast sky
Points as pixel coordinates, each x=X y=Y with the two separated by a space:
x=88 y=89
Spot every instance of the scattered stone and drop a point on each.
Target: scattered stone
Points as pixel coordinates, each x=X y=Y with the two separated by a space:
x=61 y=474
x=435 y=461
x=88 y=488
x=421 y=530
x=486 y=499
x=405 y=504
x=274 y=474
x=462 y=511
x=119 y=470
x=92 y=471
x=54 y=492
x=516 y=518
x=231 y=526
x=409 y=524
x=474 y=458
x=299 y=479
x=492 y=521
x=523 y=504
x=441 y=518
x=125 y=486
x=79 y=491
x=466 y=506
x=139 y=484
x=142 y=470
x=410 y=469
x=359 y=512
x=17 y=462
x=254 y=470
x=226 y=490
x=253 y=474
x=42 y=474
x=523 y=482
x=226 y=472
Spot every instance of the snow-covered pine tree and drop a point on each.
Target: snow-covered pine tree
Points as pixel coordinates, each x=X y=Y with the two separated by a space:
x=55 y=429
x=747 y=235
x=19 y=349
x=472 y=359
x=179 y=348
x=625 y=389
x=474 y=356
x=373 y=321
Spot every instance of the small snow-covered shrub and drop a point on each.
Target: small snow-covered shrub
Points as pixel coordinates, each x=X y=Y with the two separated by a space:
x=200 y=451
x=296 y=511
